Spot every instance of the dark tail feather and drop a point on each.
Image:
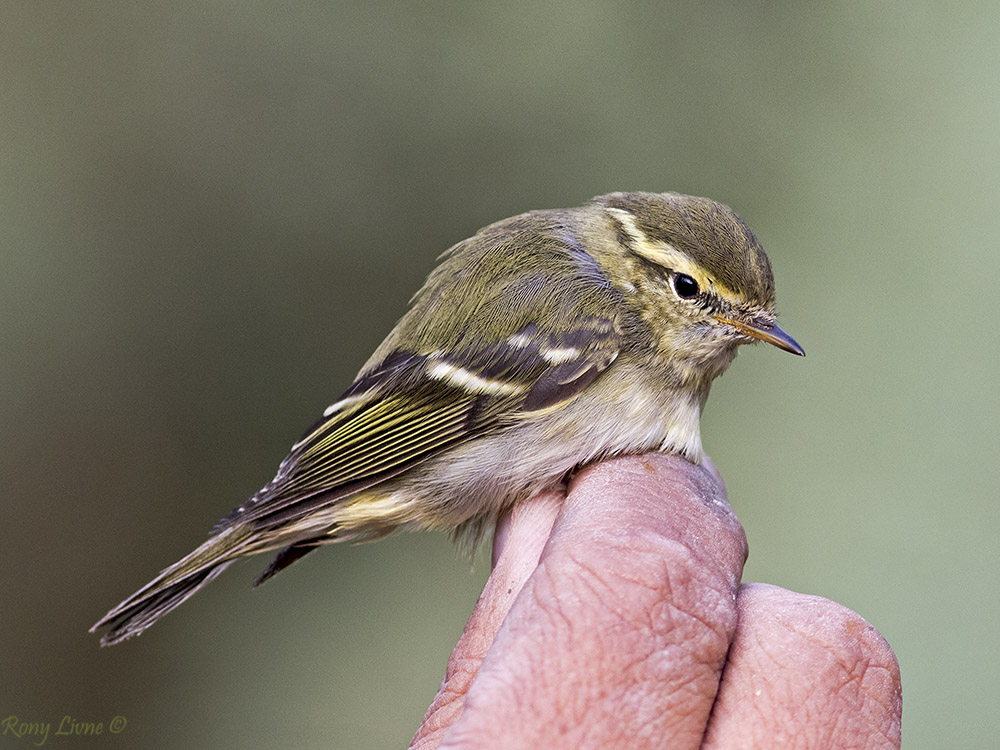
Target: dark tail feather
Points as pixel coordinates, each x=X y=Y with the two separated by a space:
x=169 y=589
x=130 y=619
x=285 y=558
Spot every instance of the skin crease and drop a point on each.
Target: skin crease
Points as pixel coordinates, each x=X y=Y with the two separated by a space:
x=615 y=618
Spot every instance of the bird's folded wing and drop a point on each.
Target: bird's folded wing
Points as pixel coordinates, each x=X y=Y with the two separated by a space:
x=414 y=406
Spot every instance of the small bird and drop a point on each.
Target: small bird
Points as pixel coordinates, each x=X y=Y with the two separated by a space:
x=545 y=342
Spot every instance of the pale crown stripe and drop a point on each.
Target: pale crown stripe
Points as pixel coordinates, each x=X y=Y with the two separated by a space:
x=669 y=256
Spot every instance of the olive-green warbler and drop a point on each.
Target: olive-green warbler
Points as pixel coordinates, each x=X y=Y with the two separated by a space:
x=546 y=341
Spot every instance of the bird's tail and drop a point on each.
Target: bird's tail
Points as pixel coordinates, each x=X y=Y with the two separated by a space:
x=172 y=587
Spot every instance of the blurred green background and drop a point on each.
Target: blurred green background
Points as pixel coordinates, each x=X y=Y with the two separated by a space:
x=212 y=212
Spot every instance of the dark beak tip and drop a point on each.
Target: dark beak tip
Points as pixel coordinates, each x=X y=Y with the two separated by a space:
x=788 y=344
x=774 y=335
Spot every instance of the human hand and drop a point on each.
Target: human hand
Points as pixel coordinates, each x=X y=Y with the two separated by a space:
x=615 y=618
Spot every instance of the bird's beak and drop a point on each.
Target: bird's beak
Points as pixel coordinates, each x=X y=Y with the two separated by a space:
x=767 y=331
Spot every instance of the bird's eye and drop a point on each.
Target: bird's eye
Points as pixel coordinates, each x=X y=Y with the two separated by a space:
x=685 y=286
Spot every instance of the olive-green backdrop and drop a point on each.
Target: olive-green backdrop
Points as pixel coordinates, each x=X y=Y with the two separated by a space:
x=211 y=212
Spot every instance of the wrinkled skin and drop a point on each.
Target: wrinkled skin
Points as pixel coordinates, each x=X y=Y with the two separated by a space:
x=615 y=618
